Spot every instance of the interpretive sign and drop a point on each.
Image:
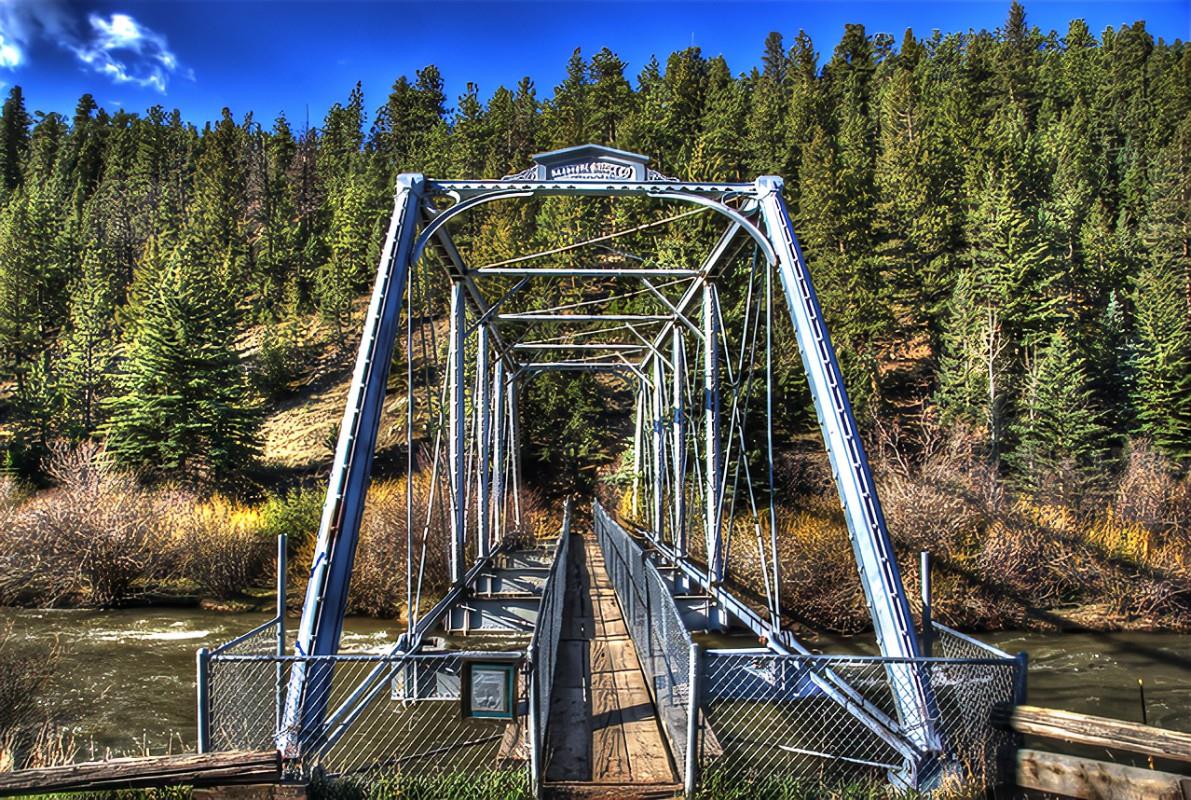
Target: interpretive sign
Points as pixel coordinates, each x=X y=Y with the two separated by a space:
x=489 y=689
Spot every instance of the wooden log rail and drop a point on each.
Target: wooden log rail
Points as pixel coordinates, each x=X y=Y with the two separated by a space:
x=212 y=769
x=1070 y=776
x=1090 y=779
x=1114 y=734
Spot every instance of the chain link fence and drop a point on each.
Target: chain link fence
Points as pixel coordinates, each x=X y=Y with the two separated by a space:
x=660 y=636
x=389 y=717
x=386 y=718
x=543 y=648
x=780 y=721
x=772 y=717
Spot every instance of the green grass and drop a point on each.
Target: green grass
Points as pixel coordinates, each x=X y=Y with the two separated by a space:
x=483 y=785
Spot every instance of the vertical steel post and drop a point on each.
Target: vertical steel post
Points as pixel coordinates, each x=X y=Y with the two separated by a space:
x=535 y=735
x=638 y=443
x=279 y=679
x=678 y=450
x=498 y=451
x=483 y=467
x=456 y=452
x=713 y=452
x=515 y=447
x=927 y=621
x=203 y=686
x=1021 y=678
x=659 y=450
x=691 y=768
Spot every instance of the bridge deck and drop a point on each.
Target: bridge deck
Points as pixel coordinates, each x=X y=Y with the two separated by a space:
x=603 y=727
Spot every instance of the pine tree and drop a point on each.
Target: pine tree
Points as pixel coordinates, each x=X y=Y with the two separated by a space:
x=767 y=119
x=608 y=98
x=14 y=140
x=349 y=243
x=1061 y=440
x=184 y=406
x=973 y=364
x=1162 y=393
x=88 y=346
x=720 y=153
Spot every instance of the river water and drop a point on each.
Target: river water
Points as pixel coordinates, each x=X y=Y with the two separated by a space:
x=126 y=678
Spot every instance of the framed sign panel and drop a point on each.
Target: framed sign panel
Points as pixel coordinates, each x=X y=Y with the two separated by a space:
x=489 y=689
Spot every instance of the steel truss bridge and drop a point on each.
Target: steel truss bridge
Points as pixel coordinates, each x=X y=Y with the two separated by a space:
x=701 y=375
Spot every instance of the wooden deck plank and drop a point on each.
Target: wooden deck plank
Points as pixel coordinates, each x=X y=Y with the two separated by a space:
x=619 y=741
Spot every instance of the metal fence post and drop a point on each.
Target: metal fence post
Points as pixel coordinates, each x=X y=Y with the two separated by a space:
x=692 y=724
x=1020 y=682
x=202 y=663
x=282 y=565
x=927 y=620
x=648 y=613
x=535 y=744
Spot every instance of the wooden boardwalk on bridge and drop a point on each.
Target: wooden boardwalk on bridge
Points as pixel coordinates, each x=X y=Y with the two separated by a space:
x=604 y=738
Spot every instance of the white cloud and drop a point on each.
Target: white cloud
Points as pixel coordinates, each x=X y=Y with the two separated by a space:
x=24 y=21
x=117 y=46
x=11 y=54
x=128 y=52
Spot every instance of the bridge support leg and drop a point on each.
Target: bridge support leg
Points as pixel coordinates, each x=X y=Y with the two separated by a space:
x=871 y=544
x=339 y=528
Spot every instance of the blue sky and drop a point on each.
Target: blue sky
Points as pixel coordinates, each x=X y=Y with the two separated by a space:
x=300 y=57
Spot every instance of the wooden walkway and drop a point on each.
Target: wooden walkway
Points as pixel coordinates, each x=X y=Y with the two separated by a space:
x=603 y=737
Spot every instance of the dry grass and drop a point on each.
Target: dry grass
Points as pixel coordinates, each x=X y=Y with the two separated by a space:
x=1003 y=560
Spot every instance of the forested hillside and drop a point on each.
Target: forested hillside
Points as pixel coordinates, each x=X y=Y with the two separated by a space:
x=999 y=224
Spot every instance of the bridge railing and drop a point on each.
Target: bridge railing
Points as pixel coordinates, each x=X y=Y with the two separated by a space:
x=543 y=647
x=663 y=643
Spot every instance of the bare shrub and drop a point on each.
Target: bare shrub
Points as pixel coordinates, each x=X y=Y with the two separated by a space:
x=220 y=547
x=378 y=579
x=92 y=540
x=1148 y=492
x=378 y=585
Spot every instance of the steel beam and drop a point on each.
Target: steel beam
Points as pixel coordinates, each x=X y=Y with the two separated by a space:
x=710 y=267
x=335 y=548
x=468 y=189
x=638 y=443
x=515 y=446
x=484 y=456
x=588 y=272
x=580 y=366
x=539 y=317
x=498 y=451
x=601 y=346
x=659 y=450
x=873 y=548
x=712 y=445
x=678 y=456
x=457 y=430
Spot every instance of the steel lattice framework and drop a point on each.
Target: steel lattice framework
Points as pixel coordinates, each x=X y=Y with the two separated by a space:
x=690 y=452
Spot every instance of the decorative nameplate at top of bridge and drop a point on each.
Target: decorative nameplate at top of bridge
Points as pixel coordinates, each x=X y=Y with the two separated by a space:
x=589 y=162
